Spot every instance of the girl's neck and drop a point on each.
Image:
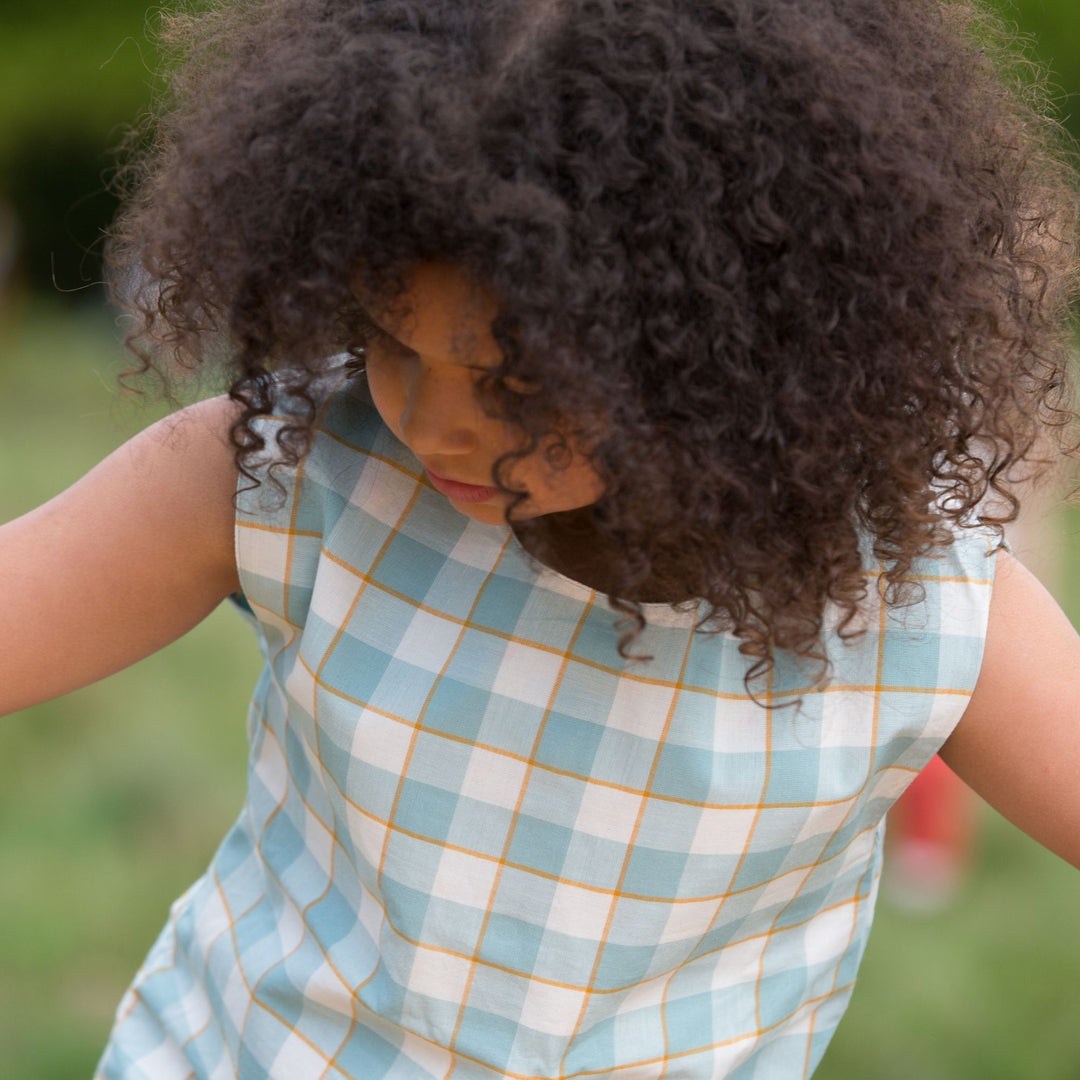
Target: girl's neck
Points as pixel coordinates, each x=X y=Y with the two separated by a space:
x=571 y=544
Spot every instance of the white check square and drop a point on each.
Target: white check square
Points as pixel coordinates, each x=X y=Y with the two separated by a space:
x=428 y=641
x=722 y=831
x=824 y=820
x=492 y=778
x=265 y=551
x=165 y=1062
x=368 y=835
x=828 y=933
x=389 y=494
x=553 y=1010
x=271 y=770
x=297 y=1057
x=480 y=546
x=739 y=964
x=640 y=708
x=528 y=675
x=437 y=974
x=464 y=878
x=740 y=727
x=963 y=608
x=579 y=912
x=608 y=812
x=381 y=741
x=690 y=920
x=300 y=686
x=334 y=592
x=783 y=889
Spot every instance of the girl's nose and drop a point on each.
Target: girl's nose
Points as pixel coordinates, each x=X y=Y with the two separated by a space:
x=437 y=421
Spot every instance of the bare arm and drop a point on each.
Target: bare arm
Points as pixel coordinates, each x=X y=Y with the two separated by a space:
x=121 y=563
x=1018 y=743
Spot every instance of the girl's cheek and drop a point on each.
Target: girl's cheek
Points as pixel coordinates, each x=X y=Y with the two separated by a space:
x=387 y=396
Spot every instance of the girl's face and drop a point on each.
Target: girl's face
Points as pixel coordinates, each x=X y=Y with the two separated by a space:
x=423 y=365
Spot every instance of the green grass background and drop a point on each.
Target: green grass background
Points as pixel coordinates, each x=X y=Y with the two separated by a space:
x=113 y=799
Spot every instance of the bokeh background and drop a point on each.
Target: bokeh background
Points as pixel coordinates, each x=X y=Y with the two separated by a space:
x=113 y=799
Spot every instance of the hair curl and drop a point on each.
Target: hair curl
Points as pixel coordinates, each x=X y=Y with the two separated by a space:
x=803 y=263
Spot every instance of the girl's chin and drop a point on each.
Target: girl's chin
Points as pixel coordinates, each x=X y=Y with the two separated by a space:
x=487 y=513
x=496 y=512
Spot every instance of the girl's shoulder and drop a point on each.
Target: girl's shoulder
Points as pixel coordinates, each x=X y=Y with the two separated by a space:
x=954 y=582
x=931 y=627
x=946 y=593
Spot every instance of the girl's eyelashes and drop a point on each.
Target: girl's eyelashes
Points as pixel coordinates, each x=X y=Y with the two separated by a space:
x=512 y=384
x=376 y=337
x=517 y=385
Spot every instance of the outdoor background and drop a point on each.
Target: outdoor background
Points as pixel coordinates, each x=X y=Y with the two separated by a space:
x=113 y=799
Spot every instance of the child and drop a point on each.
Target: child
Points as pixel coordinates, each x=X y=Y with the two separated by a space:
x=628 y=560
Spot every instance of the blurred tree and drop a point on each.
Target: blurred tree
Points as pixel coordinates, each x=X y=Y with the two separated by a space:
x=72 y=76
x=1054 y=28
x=75 y=73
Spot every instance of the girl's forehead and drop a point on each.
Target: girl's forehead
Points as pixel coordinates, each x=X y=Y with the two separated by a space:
x=439 y=313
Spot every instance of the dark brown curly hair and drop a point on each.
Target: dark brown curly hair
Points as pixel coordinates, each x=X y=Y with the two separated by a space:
x=805 y=264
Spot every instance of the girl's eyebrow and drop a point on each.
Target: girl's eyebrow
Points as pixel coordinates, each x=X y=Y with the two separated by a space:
x=369 y=321
x=377 y=328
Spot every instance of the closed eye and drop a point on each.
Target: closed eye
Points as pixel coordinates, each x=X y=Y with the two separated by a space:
x=375 y=335
x=512 y=383
x=378 y=337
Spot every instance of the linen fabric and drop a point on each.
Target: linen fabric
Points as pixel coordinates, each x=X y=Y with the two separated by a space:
x=478 y=843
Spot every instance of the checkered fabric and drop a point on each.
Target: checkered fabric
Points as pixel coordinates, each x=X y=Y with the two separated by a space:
x=478 y=844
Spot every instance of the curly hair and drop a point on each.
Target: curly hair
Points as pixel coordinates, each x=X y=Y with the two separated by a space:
x=804 y=264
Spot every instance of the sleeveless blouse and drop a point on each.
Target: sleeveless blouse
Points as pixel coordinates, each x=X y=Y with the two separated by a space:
x=477 y=843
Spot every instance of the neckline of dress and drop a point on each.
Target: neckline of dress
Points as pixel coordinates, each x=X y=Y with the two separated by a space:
x=681 y=614
x=659 y=613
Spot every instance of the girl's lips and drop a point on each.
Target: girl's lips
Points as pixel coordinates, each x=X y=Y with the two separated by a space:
x=459 y=492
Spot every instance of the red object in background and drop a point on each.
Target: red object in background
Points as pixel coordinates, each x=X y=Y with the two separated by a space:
x=931 y=835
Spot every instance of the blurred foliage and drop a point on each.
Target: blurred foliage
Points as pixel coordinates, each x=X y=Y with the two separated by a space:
x=73 y=77
x=1053 y=29
x=75 y=73
x=71 y=69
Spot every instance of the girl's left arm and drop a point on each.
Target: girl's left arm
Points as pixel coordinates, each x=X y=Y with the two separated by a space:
x=1018 y=742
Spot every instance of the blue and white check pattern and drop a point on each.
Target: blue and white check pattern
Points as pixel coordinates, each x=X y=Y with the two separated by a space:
x=479 y=844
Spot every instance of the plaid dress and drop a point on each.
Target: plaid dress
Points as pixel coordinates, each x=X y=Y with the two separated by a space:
x=477 y=843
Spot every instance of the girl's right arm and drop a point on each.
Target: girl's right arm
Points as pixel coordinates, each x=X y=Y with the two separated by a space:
x=1018 y=742
x=125 y=561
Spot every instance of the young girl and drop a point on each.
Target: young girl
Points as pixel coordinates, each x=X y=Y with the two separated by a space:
x=625 y=396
